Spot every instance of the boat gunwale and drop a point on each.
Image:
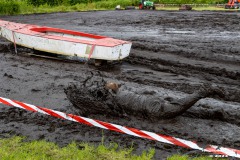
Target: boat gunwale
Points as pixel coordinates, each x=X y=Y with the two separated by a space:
x=30 y=30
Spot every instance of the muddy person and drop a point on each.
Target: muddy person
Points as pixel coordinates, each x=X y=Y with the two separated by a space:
x=97 y=96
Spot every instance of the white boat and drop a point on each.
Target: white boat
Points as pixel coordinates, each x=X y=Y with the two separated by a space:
x=65 y=42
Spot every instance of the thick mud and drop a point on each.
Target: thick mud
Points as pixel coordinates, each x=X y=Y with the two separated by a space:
x=174 y=54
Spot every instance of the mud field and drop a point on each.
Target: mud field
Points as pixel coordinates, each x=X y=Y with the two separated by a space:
x=173 y=53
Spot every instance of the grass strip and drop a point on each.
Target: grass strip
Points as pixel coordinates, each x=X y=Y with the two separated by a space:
x=16 y=148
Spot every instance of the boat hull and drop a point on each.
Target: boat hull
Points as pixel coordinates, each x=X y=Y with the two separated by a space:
x=65 y=42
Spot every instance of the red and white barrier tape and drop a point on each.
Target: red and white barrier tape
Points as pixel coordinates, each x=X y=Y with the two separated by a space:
x=125 y=130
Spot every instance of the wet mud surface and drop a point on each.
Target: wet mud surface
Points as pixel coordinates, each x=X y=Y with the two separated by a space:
x=173 y=54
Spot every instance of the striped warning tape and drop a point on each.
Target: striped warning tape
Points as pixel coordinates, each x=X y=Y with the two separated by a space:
x=125 y=130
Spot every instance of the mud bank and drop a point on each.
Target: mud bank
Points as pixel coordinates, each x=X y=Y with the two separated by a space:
x=174 y=53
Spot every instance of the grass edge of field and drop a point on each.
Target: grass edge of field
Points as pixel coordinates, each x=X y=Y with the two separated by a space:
x=17 y=147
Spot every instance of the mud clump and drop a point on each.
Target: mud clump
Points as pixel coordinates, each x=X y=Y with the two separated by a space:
x=94 y=95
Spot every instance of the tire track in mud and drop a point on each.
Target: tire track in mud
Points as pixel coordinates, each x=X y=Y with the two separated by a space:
x=173 y=52
x=183 y=73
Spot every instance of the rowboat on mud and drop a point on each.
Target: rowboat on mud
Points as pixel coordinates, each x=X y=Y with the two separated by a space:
x=65 y=42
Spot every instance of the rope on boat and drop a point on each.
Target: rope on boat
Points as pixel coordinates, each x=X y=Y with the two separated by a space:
x=14 y=42
x=91 y=52
x=124 y=130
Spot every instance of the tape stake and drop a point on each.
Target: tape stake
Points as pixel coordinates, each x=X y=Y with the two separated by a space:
x=124 y=130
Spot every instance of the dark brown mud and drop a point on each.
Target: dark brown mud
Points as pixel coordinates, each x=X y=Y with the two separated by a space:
x=173 y=53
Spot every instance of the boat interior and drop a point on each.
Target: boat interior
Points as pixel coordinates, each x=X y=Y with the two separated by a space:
x=67 y=33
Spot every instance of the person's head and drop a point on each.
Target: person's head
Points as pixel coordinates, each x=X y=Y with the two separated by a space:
x=113 y=86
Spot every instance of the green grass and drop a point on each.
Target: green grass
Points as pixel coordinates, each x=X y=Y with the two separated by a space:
x=25 y=8
x=9 y=7
x=22 y=7
x=15 y=148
